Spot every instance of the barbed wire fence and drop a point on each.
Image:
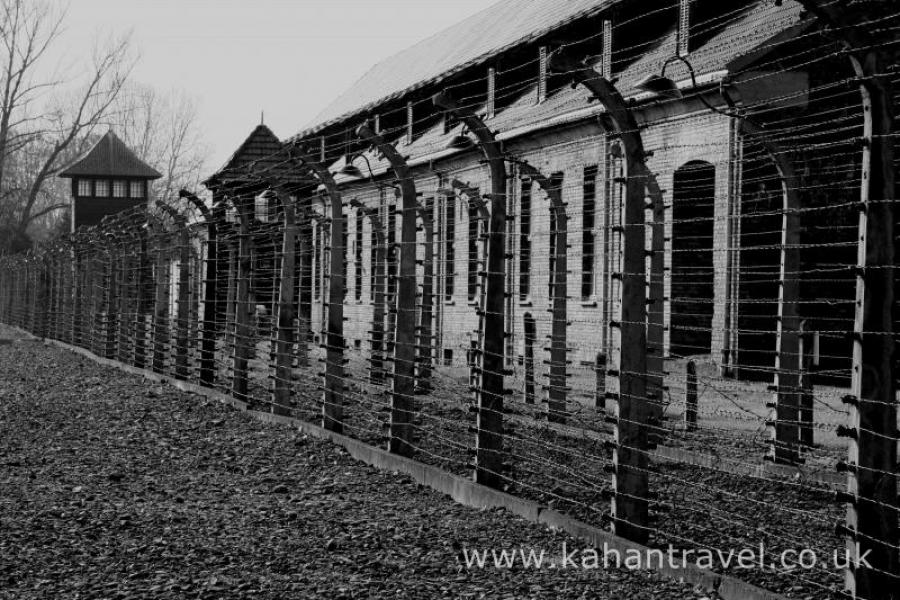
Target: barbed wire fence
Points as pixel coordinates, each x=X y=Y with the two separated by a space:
x=554 y=325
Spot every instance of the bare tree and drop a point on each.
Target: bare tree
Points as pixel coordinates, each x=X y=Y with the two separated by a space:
x=45 y=119
x=162 y=129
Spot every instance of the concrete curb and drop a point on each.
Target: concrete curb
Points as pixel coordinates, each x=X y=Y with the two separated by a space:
x=462 y=490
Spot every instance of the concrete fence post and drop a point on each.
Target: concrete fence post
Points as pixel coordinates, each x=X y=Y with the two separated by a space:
x=284 y=336
x=630 y=505
x=403 y=405
x=242 y=325
x=182 y=301
x=334 y=388
x=144 y=296
x=788 y=355
x=489 y=437
x=379 y=283
x=557 y=384
x=160 y=304
x=305 y=282
x=210 y=285
x=872 y=524
x=425 y=348
x=110 y=299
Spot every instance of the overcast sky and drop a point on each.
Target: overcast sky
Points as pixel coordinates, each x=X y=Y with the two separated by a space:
x=289 y=58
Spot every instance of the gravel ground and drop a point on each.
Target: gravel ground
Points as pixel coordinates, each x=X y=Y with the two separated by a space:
x=113 y=487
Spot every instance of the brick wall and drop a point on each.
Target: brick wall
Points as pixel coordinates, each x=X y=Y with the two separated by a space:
x=697 y=137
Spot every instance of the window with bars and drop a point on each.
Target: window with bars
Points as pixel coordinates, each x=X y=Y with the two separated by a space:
x=588 y=233
x=391 y=249
x=325 y=259
x=472 y=263
x=260 y=207
x=373 y=244
x=358 y=256
x=449 y=248
x=345 y=253
x=119 y=188
x=525 y=241
x=316 y=258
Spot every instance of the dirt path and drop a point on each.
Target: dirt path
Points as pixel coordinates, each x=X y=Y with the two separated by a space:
x=114 y=487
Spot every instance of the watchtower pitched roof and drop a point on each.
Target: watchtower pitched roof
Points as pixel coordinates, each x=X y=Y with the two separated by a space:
x=110 y=157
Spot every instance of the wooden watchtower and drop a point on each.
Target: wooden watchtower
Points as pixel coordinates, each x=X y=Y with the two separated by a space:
x=107 y=179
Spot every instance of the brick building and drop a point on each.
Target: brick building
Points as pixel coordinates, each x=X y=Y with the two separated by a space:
x=721 y=252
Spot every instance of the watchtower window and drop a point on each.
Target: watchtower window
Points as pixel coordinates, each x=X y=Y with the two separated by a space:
x=84 y=187
x=119 y=188
x=260 y=206
x=101 y=188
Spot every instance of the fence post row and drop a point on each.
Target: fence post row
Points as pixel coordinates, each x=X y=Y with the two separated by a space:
x=110 y=290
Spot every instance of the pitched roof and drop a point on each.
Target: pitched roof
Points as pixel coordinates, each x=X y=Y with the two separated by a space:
x=503 y=25
x=110 y=157
x=261 y=156
x=760 y=26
